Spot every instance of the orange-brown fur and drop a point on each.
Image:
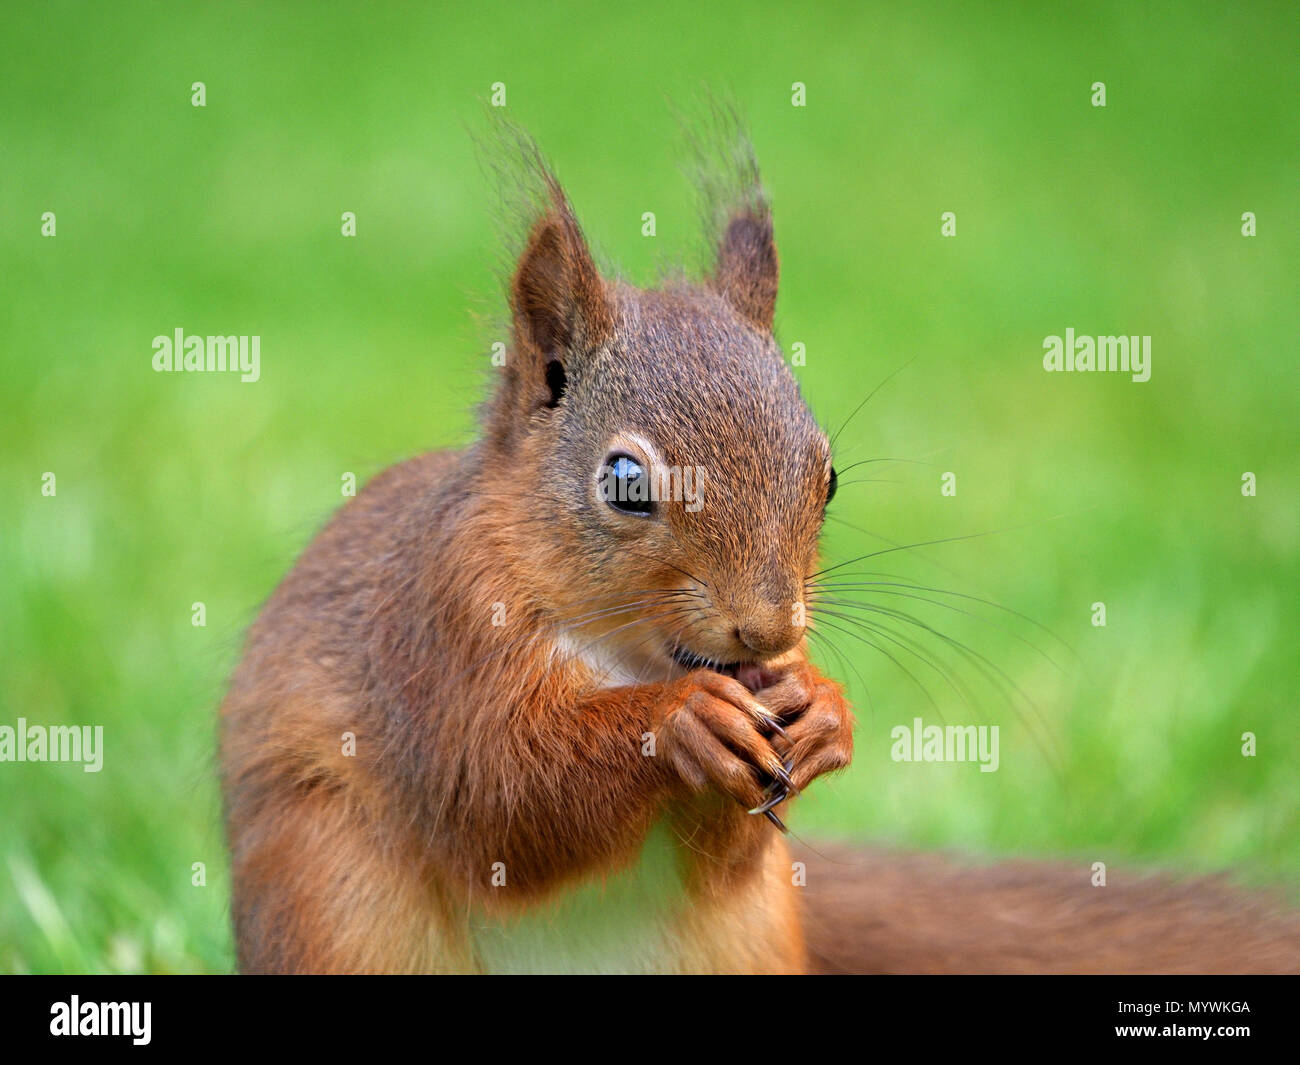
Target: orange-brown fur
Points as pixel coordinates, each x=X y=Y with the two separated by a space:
x=479 y=743
x=892 y=912
x=498 y=643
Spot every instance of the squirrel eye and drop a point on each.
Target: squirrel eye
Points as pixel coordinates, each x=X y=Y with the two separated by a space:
x=830 y=488
x=625 y=485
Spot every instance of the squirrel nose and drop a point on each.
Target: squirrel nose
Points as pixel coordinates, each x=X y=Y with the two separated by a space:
x=770 y=636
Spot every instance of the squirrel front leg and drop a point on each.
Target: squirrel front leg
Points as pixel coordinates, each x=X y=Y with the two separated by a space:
x=575 y=789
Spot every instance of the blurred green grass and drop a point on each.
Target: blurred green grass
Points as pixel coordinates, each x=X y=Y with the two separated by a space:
x=176 y=489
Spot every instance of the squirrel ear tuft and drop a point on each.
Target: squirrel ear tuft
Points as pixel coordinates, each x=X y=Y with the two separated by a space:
x=557 y=295
x=746 y=272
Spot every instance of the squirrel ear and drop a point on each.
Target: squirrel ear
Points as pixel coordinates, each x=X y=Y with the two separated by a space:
x=557 y=294
x=746 y=273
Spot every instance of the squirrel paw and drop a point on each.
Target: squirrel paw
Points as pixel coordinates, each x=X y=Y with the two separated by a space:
x=715 y=733
x=817 y=725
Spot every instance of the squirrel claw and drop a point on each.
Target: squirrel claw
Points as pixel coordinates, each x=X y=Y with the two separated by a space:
x=765 y=807
x=772 y=723
x=783 y=778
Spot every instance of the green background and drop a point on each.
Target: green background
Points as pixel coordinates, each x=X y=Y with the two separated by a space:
x=173 y=489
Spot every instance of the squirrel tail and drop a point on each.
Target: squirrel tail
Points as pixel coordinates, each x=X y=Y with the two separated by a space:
x=893 y=912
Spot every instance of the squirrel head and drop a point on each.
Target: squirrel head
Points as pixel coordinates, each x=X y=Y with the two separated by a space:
x=667 y=481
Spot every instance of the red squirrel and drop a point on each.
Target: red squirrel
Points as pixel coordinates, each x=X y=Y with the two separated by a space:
x=539 y=705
